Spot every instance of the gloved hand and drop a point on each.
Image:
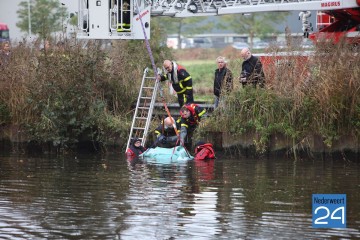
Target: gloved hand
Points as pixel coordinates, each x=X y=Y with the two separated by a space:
x=162 y=139
x=183 y=133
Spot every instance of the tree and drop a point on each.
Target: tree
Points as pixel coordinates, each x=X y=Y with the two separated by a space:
x=185 y=26
x=252 y=24
x=47 y=16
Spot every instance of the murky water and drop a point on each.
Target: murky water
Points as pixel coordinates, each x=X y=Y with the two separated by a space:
x=106 y=198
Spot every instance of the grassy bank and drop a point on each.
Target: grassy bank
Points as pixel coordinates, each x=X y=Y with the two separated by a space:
x=201 y=64
x=62 y=97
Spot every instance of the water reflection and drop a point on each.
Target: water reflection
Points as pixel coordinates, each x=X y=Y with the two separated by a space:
x=93 y=197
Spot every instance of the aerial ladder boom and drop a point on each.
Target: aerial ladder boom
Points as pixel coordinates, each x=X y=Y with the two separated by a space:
x=119 y=19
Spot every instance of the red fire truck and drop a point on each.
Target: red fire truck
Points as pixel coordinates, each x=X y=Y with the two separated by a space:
x=4 y=32
x=335 y=25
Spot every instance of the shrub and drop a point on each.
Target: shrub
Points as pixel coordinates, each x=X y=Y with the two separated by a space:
x=84 y=91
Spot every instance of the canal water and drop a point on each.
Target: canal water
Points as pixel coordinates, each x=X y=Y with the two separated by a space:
x=107 y=197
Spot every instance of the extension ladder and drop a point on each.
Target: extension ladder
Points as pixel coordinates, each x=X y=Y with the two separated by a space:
x=144 y=108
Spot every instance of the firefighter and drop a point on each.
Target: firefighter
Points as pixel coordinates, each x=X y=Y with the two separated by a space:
x=124 y=20
x=135 y=149
x=166 y=134
x=190 y=117
x=306 y=25
x=181 y=81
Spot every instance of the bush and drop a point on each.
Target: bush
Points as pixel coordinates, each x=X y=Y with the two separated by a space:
x=84 y=91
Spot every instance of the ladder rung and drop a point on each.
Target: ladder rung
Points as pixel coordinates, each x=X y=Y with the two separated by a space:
x=136 y=137
x=143 y=118
x=148 y=87
x=146 y=97
x=138 y=128
x=145 y=108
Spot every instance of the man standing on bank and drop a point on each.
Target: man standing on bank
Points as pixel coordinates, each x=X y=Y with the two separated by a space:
x=252 y=70
x=223 y=75
x=181 y=81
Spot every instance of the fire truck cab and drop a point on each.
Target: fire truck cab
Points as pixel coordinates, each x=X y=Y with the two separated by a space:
x=4 y=32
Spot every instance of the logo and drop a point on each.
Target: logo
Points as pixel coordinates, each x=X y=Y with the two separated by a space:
x=329 y=210
x=142 y=15
x=330 y=4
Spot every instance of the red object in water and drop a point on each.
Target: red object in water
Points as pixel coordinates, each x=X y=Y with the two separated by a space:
x=204 y=151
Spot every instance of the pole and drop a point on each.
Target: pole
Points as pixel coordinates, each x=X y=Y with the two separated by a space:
x=29 y=16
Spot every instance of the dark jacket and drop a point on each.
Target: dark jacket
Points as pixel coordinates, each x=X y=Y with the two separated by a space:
x=167 y=132
x=253 y=72
x=4 y=58
x=223 y=75
x=134 y=151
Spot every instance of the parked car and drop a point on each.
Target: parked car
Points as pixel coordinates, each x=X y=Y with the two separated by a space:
x=197 y=43
x=240 y=45
x=260 y=45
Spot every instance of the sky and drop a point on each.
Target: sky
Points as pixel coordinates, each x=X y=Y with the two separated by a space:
x=8 y=15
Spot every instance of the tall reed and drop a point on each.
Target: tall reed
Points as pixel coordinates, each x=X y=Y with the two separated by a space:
x=83 y=90
x=319 y=95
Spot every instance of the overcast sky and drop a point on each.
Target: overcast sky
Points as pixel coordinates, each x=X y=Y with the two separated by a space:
x=9 y=16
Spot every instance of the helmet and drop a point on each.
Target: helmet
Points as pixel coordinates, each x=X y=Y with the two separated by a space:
x=184 y=112
x=136 y=140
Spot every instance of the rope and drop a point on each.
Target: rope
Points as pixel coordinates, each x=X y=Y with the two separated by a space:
x=155 y=69
x=155 y=75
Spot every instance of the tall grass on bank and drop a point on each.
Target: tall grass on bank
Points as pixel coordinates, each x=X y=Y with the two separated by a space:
x=320 y=96
x=81 y=92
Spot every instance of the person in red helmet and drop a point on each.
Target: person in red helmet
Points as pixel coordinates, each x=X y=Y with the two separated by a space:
x=190 y=117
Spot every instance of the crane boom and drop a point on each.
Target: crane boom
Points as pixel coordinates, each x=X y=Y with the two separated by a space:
x=119 y=19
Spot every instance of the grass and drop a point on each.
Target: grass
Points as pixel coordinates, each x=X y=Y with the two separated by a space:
x=202 y=72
